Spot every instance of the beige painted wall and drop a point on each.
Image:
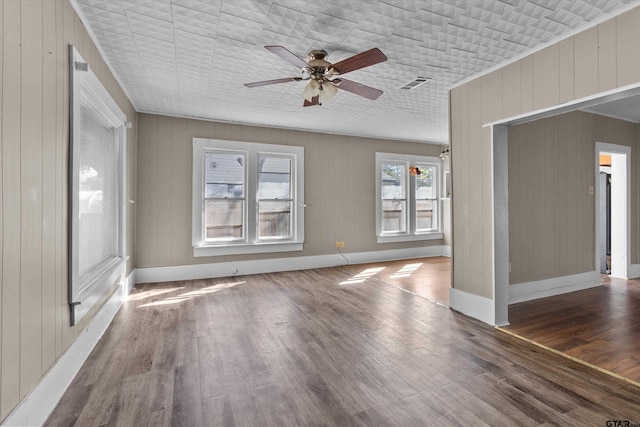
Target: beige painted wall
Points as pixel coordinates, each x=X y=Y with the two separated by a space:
x=601 y=58
x=551 y=213
x=339 y=188
x=34 y=121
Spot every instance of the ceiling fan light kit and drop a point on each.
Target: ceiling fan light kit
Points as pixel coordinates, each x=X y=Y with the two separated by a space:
x=322 y=75
x=312 y=89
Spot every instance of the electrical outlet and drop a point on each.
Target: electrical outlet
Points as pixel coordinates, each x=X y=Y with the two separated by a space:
x=339 y=245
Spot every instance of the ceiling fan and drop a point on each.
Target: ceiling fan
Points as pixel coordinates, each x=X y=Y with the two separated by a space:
x=323 y=75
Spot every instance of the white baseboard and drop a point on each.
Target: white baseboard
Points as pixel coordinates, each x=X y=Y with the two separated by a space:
x=555 y=286
x=446 y=251
x=35 y=408
x=475 y=306
x=231 y=268
x=633 y=272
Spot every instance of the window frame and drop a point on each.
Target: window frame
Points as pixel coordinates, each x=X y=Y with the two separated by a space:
x=250 y=243
x=87 y=91
x=243 y=236
x=291 y=199
x=410 y=234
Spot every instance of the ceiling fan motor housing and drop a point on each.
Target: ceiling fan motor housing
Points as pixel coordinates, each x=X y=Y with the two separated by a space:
x=318 y=63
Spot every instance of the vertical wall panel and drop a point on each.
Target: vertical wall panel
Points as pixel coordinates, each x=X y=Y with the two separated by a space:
x=492 y=96
x=607 y=63
x=560 y=155
x=11 y=106
x=49 y=92
x=60 y=178
x=476 y=204
x=586 y=62
x=628 y=53
x=147 y=246
x=566 y=70
x=546 y=77
x=526 y=81
x=511 y=84
x=575 y=136
x=460 y=181
x=548 y=169
x=31 y=197
x=586 y=199
x=166 y=175
x=182 y=163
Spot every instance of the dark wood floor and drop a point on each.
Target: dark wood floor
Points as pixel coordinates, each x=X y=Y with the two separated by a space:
x=600 y=326
x=318 y=348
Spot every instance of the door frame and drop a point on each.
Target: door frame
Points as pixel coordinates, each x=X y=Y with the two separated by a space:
x=621 y=214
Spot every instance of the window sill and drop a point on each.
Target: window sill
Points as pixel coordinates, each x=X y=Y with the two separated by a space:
x=240 y=249
x=410 y=237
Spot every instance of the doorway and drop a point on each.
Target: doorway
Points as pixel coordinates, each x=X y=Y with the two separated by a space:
x=612 y=209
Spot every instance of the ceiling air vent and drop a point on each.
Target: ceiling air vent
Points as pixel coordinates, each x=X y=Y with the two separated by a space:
x=415 y=83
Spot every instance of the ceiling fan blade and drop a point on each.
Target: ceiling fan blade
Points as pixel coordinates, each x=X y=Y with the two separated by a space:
x=314 y=101
x=287 y=55
x=359 y=89
x=272 y=82
x=361 y=60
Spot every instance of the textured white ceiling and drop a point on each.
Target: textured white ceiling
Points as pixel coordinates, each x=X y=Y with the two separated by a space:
x=191 y=57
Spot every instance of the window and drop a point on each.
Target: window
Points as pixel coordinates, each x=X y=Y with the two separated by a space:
x=407 y=200
x=97 y=247
x=247 y=197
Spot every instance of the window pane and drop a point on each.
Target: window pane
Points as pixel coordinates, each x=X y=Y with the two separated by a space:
x=394 y=217
x=274 y=179
x=426 y=215
x=98 y=193
x=224 y=219
x=224 y=175
x=426 y=183
x=393 y=182
x=274 y=219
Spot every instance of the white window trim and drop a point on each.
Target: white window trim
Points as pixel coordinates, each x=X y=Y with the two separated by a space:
x=85 y=86
x=249 y=245
x=409 y=235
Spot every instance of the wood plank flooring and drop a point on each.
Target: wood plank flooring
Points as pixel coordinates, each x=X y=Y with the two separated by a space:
x=429 y=278
x=600 y=326
x=318 y=348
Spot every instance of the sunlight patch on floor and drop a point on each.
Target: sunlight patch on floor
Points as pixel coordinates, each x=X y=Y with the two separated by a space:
x=192 y=294
x=406 y=271
x=362 y=276
x=152 y=293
